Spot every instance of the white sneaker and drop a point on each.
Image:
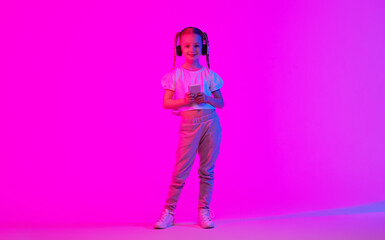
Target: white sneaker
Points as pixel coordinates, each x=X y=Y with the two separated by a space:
x=165 y=220
x=204 y=218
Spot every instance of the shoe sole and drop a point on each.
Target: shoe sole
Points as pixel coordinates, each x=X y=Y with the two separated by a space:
x=173 y=224
x=207 y=227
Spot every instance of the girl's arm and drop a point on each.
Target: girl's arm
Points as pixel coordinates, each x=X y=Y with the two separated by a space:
x=175 y=104
x=216 y=101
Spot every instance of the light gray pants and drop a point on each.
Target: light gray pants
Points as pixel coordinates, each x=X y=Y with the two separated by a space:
x=201 y=134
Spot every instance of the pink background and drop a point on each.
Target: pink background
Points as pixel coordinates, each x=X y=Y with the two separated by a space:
x=84 y=137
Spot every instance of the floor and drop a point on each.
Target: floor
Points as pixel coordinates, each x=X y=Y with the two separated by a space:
x=363 y=223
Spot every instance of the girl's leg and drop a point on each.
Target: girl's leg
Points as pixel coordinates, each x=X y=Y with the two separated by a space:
x=208 y=150
x=189 y=136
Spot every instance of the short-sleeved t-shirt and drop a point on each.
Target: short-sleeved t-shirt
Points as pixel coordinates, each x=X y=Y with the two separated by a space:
x=179 y=80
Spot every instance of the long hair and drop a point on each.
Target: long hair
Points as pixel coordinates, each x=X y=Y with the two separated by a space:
x=196 y=31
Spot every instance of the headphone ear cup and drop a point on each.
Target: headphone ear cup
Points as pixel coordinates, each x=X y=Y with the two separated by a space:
x=204 y=49
x=178 y=50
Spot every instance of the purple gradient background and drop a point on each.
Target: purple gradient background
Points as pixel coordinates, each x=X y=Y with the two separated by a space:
x=84 y=137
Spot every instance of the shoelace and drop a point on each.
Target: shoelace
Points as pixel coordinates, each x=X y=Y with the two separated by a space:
x=209 y=215
x=164 y=215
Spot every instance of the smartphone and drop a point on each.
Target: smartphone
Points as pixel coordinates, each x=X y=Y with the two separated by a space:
x=194 y=89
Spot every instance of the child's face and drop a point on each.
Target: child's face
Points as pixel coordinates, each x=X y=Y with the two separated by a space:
x=191 y=45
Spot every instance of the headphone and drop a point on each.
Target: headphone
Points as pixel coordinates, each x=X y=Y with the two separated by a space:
x=205 y=46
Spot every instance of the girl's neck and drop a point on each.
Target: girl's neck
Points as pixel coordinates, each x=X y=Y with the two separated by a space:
x=192 y=65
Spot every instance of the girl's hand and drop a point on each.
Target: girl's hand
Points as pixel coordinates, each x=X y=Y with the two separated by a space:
x=189 y=98
x=201 y=98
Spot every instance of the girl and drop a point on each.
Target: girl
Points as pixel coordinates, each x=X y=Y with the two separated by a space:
x=199 y=129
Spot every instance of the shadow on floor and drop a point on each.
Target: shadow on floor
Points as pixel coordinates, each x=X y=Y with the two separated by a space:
x=360 y=209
